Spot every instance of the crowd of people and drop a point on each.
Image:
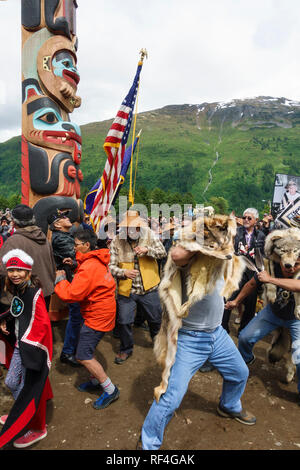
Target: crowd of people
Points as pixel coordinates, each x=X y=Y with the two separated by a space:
x=109 y=282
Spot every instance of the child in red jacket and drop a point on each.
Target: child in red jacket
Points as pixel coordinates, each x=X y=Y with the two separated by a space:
x=27 y=377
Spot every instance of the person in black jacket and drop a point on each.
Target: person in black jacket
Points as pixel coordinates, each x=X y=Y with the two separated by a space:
x=64 y=255
x=247 y=241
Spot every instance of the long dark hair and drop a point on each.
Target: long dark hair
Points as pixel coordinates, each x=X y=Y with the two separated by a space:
x=13 y=289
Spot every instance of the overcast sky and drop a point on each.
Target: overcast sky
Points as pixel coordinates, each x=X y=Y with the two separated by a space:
x=199 y=50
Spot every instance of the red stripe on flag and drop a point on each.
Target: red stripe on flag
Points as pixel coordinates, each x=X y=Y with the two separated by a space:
x=113 y=140
x=118 y=127
x=122 y=114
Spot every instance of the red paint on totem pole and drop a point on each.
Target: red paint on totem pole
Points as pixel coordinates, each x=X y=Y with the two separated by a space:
x=77 y=189
x=25 y=184
x=72 y=172
x=80 y=175
x=71 y=77
x=31 y=92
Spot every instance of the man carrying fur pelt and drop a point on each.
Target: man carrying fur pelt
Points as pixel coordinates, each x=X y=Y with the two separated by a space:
x=281 y=280
x=197 y=275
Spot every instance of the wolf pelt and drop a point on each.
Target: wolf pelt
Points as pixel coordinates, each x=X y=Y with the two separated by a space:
x=282 y=246
x=211 y=238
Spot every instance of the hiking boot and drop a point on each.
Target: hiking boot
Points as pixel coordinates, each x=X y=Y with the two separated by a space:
x=105 y=399
x=31 y=437
x=89 y=387
x=122 y=357
x=243 y=416
x=3 y=419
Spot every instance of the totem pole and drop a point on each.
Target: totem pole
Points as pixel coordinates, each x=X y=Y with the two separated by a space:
x=51 y=143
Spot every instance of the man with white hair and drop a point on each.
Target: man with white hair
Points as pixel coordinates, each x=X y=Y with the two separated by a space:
x=247 y=241
x=291 y=195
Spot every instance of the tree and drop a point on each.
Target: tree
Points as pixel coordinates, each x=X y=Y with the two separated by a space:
x=220 y=204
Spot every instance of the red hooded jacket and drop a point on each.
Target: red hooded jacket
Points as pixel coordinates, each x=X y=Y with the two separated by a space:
x=94 y=288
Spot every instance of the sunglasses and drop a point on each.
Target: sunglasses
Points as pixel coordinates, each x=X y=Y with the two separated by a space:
x=247 y=218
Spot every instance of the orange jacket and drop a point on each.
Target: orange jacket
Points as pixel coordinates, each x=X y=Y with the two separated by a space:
x=94 y=288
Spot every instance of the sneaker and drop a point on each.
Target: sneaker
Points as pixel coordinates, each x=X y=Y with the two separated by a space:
x=207 y=367
x=105 y=399
x=31 y=437
x=249 y=363
x=69 y=359
x=88 y=387
x=122 y=357
x=243 y=416
x=3 y=419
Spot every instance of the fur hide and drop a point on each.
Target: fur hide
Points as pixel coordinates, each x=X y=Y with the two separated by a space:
x=282 y=246
x=211 y=239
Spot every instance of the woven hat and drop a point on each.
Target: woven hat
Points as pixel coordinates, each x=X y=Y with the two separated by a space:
x=133 y=219
x=17 y=259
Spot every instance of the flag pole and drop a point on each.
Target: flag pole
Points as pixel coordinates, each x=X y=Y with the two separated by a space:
x=122 y=179
x=144 y=54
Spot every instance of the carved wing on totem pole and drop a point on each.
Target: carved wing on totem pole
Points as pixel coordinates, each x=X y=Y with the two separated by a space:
x=51 y=142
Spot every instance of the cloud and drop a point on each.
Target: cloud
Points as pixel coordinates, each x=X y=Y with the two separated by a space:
x=198 y=51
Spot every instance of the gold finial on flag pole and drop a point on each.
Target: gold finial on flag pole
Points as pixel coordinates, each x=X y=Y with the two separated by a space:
x=144 y=54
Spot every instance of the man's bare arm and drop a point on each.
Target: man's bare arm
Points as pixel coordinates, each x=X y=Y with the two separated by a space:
x=248 y=288
x=285 y=283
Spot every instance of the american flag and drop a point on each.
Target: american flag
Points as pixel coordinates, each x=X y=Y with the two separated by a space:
x=114 y=146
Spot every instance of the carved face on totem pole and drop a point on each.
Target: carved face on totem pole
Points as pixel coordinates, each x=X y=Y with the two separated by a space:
x=51 y=142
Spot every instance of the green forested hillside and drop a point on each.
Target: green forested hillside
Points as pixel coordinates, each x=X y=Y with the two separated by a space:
x=230 y=150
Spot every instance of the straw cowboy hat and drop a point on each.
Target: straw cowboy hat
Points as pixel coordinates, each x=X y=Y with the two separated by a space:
x=133 y=219
x=168 y=227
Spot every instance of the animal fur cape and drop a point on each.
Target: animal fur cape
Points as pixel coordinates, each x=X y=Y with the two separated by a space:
x=212 y=240
x=282 y=246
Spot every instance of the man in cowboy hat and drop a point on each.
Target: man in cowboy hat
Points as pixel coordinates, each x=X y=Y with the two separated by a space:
x=134 y=253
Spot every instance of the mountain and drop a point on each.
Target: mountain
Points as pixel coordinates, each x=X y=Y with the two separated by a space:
x=231 y=149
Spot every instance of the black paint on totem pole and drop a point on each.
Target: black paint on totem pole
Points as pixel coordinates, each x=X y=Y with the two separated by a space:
x=47 y=205
x=31 y=13
x=30 y=82
x=39 y=170
x=42 y=103
x=60 y=25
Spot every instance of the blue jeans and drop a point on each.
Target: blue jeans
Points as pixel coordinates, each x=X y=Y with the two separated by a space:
x=193 y=349
x=72 y=329
x=260 y=326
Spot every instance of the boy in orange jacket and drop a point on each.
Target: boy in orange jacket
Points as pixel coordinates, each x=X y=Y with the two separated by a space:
x=94 y=288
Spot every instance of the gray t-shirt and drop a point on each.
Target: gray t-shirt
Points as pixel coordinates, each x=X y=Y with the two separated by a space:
x=207 y=314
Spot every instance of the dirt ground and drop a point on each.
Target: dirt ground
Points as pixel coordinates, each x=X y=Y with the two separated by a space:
x=73 y=424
